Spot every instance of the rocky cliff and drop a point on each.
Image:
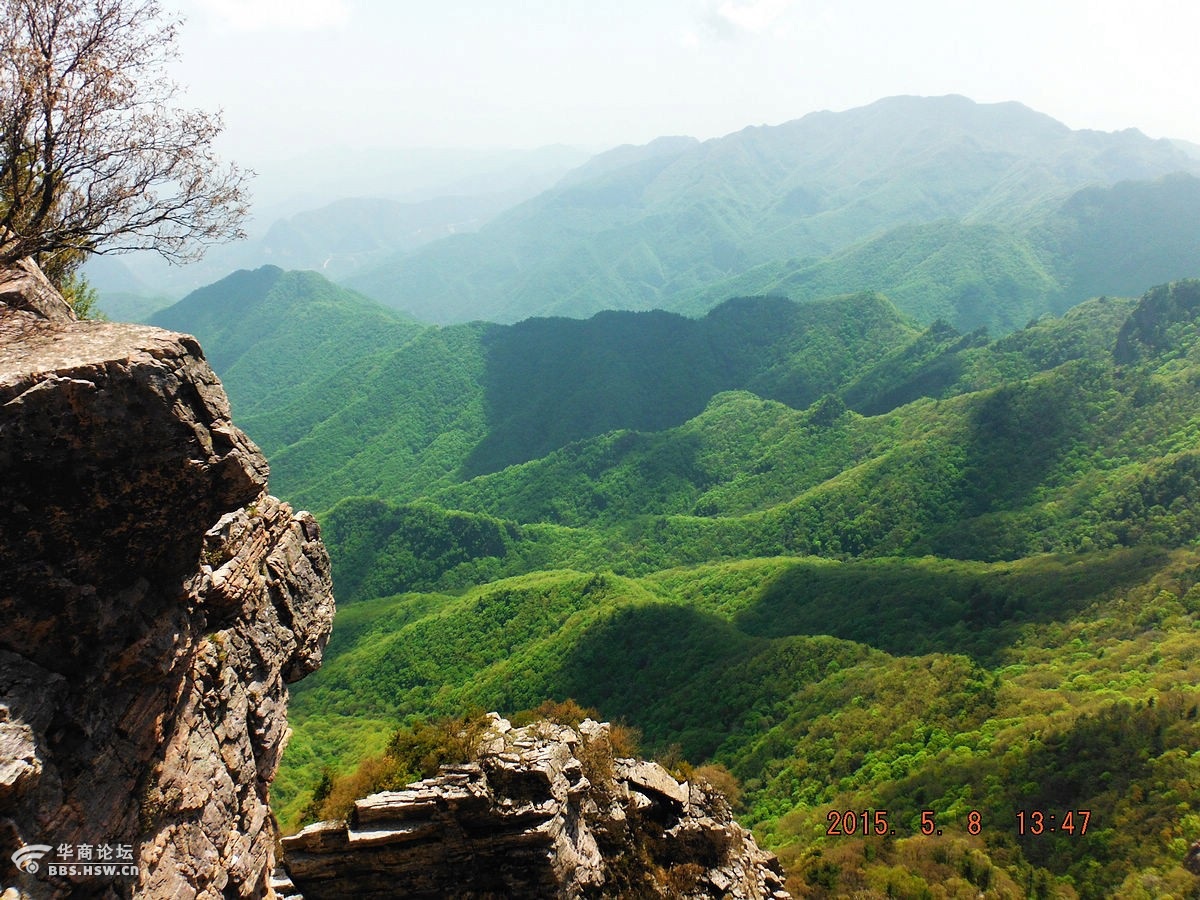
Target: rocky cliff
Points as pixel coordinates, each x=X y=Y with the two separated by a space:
x=542 y=811
x=155 y=601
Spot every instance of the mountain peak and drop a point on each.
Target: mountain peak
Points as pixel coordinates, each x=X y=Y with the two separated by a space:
x=628 y=155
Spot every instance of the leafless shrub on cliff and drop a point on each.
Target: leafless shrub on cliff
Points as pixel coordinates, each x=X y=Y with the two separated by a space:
x=94 y=154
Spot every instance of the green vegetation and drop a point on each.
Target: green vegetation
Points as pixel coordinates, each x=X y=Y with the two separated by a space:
x=81 y=295
x=541 y=391
x=394 y=410
x=860 y=564
x=981 y=215
x=999 y=275
x=969 y=274
x=385 y=549
x=1085 y=706
x=270 y=333
x=956 y=577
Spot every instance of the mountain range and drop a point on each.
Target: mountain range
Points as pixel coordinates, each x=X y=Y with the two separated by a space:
x=882 y=609
x=783 y=521
x=342 y=211
x=907 y=521
x=657 y=226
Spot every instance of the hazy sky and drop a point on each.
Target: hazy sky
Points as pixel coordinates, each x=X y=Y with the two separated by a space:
x=297 y=75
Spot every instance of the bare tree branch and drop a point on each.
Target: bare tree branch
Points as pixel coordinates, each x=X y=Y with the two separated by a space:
x=94 y=155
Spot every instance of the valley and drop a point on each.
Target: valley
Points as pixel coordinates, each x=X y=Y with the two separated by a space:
x=877 y=496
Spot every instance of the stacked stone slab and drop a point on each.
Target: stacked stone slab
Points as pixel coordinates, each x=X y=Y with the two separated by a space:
x=542 y=811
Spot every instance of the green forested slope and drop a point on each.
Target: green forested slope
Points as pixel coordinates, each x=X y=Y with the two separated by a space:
x=969 y=274
x=1120 y=239
x=448 y=403
x=396 y=422
x=270 y=334
x=1087 y=704
x=553 y=381
x=962 y=578
x=654 y=227
x=1041 y=441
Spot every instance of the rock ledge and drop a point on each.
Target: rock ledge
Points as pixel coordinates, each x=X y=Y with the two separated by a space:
x=542 y=811
x=155 y=602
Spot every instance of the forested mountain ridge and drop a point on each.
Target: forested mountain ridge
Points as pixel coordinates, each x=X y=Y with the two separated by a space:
x=650 y=227
x=271 y=333
x=849 y=611
x=766 y=427
x=1043 y=441
x=437 y=405
x=347 y=396
x=1099 y=240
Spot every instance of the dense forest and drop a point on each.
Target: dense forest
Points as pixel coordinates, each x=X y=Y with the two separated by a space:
x=858 y=563
x=891 y=527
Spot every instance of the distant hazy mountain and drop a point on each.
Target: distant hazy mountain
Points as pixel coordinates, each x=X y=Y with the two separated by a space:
x=337 y=212
x=1100 y=240
x=109 y=274
x=351 y=234
x=123 y=297
x=317 y=178
x=1188 y=147
x=647 y=227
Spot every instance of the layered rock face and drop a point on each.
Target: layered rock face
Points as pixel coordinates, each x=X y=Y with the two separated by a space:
x=543 y=811
x=155 y=601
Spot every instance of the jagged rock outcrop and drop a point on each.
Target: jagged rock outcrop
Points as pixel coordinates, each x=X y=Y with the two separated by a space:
x=155 y=602
x=543 y=811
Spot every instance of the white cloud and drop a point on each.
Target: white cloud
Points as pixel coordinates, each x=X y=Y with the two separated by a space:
x=259 y=15
x=755 y=16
